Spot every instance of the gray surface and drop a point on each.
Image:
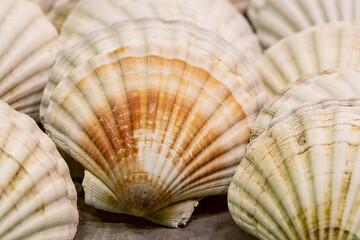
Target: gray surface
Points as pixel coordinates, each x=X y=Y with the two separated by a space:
x=210 y=220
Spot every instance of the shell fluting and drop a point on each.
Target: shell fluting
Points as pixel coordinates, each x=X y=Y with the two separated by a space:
x=299 y=179
x=310 y=89
x=28 y=48
x=220 y=17
x=37 y=196
x=312 y=51
x=160 y=120
x=277 y=19
x=60 y=11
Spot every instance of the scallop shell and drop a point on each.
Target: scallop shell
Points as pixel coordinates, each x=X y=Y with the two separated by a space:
x=215 y=15
x=310 y=89
x=37 y=196
x=314 y=50
x=160 y=122
x=241 y=5
x=299 y=179
x=45 y=5
x=28 y=48
x=277 y=19
x=60 y=11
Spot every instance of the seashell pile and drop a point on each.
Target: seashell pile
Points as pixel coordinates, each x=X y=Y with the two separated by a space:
x=159 y=100
x=299 y=179
x=159 y=121
x=37 y=196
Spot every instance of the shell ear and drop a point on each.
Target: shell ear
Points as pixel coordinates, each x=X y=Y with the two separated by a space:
x=97 y=194
x=176 y=215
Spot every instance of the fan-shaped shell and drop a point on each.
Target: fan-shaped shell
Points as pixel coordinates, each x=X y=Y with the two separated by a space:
x=299 y=179
x=314 y=50
x=277 y=19
x=310 y=89
x=215 y=15
x=159 y=122
x=28 y=48
x=60 y=11
x=37 y=196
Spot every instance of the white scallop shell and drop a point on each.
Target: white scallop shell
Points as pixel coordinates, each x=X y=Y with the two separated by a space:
x=215 y=15
x=28 y=48
x=277 y=19
x=159 y=122
x=299 y=179
x=314 y=50
x=37 y=196
x=310 y=89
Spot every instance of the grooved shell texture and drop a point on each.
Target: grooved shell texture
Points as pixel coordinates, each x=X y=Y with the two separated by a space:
x=28 y=48
x=299 y=179
x=159 y=122
x=37 y=196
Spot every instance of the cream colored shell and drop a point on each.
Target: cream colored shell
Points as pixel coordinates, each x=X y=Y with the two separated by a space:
x=60 y=11
x=28 y=48
x=215 y=15
x=277 y=19
x=314 y=50
x=159 y=122
x=37 y=196
x=310 y=89
x=299 y=179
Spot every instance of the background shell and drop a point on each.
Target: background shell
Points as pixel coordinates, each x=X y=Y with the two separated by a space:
x=299 y=179
x=310 y=89
x=314 y=50
x=176 y=131
x=37 y=196
x=28 y=48
x=277 y=19
x=60 y=11
x=214 y=15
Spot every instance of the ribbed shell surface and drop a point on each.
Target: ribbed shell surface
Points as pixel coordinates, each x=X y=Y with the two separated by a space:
x=214 y=15
x=277 y=19
x=60 y=11
x=163 y=118
x=28 y=48
x=312 y=51
x=37 y=196
x=310 y=89
x=299 y=179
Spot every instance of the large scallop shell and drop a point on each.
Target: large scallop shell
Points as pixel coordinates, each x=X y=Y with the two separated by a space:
x=159 y=122
x=310 y=89
x=215 y=15
x=37 y=196
x=277 y=19
x=28 y=49
x=300 y=179
x=314 y=50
